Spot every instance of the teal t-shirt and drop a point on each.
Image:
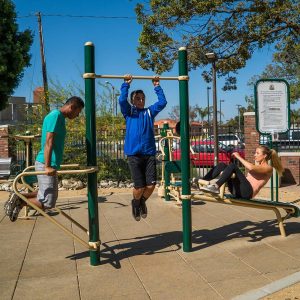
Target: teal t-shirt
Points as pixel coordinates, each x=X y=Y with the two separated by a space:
x=54 y=122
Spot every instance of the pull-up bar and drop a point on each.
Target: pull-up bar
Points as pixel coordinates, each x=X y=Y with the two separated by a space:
x=90 y=108
x=93 y=75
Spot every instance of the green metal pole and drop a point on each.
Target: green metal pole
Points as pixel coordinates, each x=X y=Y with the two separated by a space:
x=166 y=159
x=185 y=151
x=272 y=177
x=275 y=147
x=90 y=111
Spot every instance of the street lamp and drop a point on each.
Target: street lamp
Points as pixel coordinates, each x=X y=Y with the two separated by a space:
x=208 y=88
x=113 y=96
x=221 y=110
x=117 y=96
x=212 y=57
x=239 y=114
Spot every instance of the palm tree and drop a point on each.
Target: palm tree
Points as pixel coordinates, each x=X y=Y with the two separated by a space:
x=201 y=112
x=295 y=115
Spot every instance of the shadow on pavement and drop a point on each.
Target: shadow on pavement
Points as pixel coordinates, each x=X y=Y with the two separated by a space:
x=112 y=252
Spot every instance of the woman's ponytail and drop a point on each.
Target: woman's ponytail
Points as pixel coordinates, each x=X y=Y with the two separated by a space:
x=276 y=162
x=273 y=156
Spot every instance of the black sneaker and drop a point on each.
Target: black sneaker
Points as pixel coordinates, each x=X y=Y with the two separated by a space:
x=10 y=203
x=15 y=213
x=136 y=211
x=143 y=208
x=13 y=206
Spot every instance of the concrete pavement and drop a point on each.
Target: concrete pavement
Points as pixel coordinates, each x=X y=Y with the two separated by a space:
x=238 y=253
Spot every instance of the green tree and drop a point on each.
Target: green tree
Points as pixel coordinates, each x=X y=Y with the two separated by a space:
x=231 y=29
x=201 y=112
x=14 y=51
x=295 y=115
x=174 y=114
x=285 y=65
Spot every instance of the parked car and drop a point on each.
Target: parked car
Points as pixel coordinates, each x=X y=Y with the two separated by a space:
x=284 y=142
x=228 y=139
x=202 y=153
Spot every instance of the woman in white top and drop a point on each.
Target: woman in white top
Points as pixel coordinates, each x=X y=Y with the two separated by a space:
x=242 y=186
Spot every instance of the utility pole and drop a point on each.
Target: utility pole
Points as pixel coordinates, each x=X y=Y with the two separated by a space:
x=44 y=71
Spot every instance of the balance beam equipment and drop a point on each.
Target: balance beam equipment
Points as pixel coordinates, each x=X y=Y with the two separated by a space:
x=89 y=245
x=290 y=209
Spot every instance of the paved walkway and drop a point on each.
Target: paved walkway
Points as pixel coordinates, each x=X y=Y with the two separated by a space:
x=238 y=253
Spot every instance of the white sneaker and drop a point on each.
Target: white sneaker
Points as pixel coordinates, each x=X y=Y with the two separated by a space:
x=211 y=188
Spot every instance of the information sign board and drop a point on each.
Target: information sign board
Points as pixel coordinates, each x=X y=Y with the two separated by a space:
x=272 y=106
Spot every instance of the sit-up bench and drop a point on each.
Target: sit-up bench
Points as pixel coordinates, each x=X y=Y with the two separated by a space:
x=290 y=209
x=173 y=189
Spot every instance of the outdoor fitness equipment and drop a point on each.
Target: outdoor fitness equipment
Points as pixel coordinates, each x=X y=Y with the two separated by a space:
x=89 y=78
x=172 y=189
x=28 y=140
x=290 y=209
x=169 y=186
x=91 y=245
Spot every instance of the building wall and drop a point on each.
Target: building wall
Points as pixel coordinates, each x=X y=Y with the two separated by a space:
x=289 y=160
x=4 y=142
x=16 y=111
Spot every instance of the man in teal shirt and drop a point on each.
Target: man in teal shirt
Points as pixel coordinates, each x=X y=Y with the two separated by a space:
x=48 y=159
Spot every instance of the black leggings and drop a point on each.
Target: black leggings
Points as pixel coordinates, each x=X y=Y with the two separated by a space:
x=239 y=186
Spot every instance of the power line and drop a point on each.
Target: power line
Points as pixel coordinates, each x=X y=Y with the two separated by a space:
x=79 y=16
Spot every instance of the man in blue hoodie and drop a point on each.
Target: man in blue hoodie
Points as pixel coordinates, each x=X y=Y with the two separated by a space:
x=140 y=142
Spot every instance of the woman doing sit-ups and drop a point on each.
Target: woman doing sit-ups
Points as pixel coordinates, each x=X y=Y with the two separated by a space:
x=242 y=186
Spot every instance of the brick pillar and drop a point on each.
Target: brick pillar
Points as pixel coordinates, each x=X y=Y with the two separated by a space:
x=251 y=135
x=4 y=142
x=290 y=160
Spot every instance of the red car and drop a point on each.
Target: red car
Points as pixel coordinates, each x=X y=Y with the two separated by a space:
x=202 y=153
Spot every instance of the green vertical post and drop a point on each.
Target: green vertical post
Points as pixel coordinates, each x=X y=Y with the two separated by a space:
x=166 y=159
x=185 y=150
x=90 y=111
x=272 y=177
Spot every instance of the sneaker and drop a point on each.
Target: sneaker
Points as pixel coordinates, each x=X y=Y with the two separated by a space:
x=198 y=182
x=211 y=188
x=13 y=206
x=8 y=206
x=15 y=213
x=195 y=182
x=136 y=212
x=143 y=208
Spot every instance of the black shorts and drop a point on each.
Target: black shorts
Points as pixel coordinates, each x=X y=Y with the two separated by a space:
x=142 y=169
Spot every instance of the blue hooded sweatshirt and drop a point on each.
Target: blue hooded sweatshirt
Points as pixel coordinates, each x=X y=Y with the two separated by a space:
x=139 y=138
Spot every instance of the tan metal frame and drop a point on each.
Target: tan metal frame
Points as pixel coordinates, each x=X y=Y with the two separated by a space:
x=207 y=197
x=20 y=177
x=175 y=192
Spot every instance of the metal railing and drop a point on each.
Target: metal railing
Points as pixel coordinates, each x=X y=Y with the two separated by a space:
x=110 y=149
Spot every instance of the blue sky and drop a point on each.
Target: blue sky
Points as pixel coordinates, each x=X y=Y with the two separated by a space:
x=115 y=40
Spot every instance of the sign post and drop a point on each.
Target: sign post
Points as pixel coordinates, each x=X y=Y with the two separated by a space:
x=272 y=112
